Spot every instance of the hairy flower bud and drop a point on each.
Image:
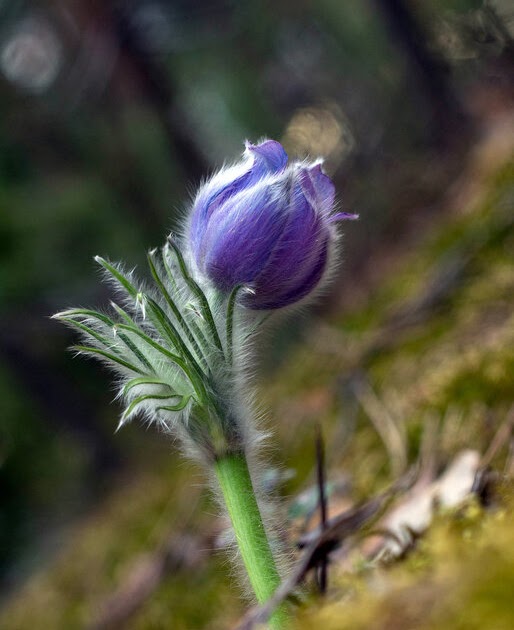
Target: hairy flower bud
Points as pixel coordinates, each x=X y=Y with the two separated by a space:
x=265 y=225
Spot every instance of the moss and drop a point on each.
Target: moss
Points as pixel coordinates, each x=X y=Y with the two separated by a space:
x=460 y=576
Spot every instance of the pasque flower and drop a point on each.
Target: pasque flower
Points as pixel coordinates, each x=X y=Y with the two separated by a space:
x=265 y=225
x=179 y=351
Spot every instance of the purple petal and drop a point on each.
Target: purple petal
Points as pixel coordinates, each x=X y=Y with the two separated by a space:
x=343 y=216
x=266 y=158
x=318 y=188
x=296 y=243
x=241 y=239
x=269 y=156
x=302 y=287
x=297 y=251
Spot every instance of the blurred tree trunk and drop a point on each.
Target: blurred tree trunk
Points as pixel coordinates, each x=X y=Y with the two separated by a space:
x=450 y=123
x=156 y=84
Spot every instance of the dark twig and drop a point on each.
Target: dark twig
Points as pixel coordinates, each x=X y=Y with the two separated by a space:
x=500 y=439
x=322 y=573
x=319 y=544
x=348 y=522
x=486 y=479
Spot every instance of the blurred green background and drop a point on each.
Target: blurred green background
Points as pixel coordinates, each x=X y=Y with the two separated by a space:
x=111 y=113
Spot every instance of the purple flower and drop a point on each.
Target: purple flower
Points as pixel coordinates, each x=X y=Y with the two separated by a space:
x=265 y=225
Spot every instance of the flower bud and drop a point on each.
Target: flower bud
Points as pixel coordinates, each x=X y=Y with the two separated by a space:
x=265 y=225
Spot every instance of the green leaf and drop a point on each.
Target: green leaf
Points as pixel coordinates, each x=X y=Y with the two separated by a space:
x=85 y=312
x=198 y=386
x=144 y=380
x=123 y=314
x=121 y=279
x=165 y=327
x=141 y=399
x=192 y=315
x=161 y=320
x=175 y=358
x=134 y=349
x=200 y=295
x=107 y=355
x=175 y=310
x=108 y=343
x=230 y=320
x=178 y=407
x=197 y=331
x=105 y=341
x=168 y=270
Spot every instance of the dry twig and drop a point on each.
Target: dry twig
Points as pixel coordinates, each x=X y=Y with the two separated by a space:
x=320 y=543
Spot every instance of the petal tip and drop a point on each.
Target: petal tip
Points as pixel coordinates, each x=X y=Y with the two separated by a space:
x=269 y=153
x=344 y=216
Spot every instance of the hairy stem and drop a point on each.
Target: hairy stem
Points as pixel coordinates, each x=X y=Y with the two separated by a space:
x=236 y=485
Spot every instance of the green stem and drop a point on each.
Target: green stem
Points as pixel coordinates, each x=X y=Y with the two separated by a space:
x=236 y=485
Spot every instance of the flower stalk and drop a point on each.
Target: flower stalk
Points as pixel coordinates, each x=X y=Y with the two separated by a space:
x=238 y=492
